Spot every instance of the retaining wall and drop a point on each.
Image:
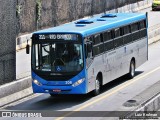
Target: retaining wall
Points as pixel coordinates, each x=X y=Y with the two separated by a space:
x=7 y=41
x=37 y=14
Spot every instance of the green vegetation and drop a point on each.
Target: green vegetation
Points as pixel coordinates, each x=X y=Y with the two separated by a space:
x=18 y=9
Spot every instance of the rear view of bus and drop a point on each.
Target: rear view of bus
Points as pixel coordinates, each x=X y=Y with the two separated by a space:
x=82 y=56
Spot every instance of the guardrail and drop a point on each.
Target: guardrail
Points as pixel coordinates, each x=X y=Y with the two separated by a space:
x=154 y=36
x=154 y=33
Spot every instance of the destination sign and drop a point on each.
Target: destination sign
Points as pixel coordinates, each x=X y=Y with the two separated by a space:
x=58 y=37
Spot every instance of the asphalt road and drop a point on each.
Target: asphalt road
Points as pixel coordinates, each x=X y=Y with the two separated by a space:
x=113 y=95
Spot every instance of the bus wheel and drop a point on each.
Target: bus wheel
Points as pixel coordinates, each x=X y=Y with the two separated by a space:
x=131 y=73
x=97 y=87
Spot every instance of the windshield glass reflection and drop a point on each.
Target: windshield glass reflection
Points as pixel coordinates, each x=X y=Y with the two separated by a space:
x=57 y=57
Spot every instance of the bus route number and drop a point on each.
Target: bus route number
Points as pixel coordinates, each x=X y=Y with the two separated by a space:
x=56 y=36
x=42 y=37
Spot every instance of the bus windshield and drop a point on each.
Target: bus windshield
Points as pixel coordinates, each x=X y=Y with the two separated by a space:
x=57 y=57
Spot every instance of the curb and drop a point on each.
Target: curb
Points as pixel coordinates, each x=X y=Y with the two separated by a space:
x=15 y=96
x=15 y=90
x=154 y=34
x=147 y=101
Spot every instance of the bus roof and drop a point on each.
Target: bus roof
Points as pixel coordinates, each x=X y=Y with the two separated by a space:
x=95 y=24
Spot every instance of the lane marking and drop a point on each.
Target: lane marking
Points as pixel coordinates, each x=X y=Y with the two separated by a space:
x=108 y=94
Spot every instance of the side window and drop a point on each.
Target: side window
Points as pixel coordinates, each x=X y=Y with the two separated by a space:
x=127 y=36
x=126 y=29
x=118 y=41
x=117 y=32
x=89 y=50
x=107 y=35
x=134 y=27
x=90 y=39
x=108 y=40
x=98 y=47
x=109 y=45
x=143 y=24
x=97 y=39
x=143 y=30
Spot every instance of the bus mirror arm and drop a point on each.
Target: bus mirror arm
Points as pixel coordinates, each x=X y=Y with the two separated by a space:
x=27 y=48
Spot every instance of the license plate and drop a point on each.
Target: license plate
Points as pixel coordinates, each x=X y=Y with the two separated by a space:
x=56 y=90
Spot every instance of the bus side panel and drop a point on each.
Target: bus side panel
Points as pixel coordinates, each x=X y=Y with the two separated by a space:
x=118 y=61
x=91 y=77
x=143 y=52
x=110 y=60
x=120 y=57
x=137 y=50
x=96 y=67
x=131 y=51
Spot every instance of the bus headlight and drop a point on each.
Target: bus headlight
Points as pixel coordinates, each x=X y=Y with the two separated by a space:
x=78 y=82
x=37 y=82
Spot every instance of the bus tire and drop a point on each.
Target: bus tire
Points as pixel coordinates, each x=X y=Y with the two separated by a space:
x=131 y=73
x=97 y=87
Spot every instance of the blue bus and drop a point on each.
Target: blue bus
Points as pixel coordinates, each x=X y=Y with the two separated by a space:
x=82 y=56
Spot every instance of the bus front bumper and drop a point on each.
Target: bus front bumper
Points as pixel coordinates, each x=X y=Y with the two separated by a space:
x=80 y=89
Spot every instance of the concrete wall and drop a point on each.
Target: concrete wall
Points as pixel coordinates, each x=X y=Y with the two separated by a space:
x=37 y=14
x=7 y=40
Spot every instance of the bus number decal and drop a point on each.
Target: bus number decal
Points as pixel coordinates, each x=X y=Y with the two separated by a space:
x=68 y=82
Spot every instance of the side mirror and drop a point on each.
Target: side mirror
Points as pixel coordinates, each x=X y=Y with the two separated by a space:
x=27 y=49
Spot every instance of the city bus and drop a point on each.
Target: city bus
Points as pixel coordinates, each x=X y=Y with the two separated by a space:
x=81 y=56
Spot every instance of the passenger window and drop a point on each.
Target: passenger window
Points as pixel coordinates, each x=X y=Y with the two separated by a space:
x=97 y=39
x=101 y=38
x=98 y=45
x=89 y=50
x=142 y=24
x=90 y=39
x=109 y=45
x=107 y=35
x=126 y=29
x=117 y=32
x=134 y=27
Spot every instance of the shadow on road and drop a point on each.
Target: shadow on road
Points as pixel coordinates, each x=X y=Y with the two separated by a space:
x=118 y=81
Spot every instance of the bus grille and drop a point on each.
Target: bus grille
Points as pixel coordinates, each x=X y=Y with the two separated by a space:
x=56 y=77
